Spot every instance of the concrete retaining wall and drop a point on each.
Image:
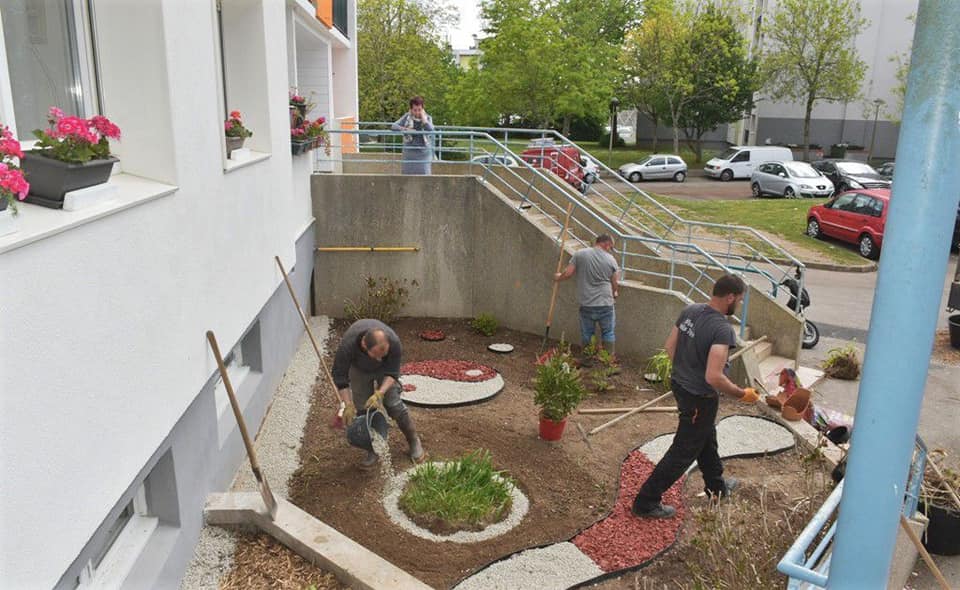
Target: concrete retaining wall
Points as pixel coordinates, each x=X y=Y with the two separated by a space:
x=478 y=254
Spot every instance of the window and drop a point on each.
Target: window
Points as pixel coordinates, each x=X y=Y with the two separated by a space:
x=675 y=161
x=844 y=203
x=657 y=162
x=876 y=208
x=50 y=60
x=742 y=157
x=862 y=205
x=244 y=365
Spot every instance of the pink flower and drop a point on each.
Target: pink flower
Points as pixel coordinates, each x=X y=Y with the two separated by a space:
x=322 y=120
x=297 y=98
x=71 y=125
x=10 y=147
x=5 y=132
x=105 y=127
x=55 y=113
x=12 y=180
x=227 y=125
x=297 y=132
x=235 y=114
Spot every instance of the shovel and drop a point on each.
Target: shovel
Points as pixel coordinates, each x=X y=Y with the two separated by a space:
x=556 y=284
x=265 y=492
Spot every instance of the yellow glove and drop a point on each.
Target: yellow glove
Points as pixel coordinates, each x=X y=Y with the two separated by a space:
x=349 y=414
x=749 y=396
x=374 y=401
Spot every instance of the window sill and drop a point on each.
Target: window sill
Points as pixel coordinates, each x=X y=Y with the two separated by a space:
x=37 y=223
x=231 y=165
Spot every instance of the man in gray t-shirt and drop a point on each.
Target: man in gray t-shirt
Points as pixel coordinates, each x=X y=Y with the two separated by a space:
x=699 y=345
x=597 y=288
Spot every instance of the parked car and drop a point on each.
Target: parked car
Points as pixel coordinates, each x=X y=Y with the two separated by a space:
x=564 y=161
x=656 y=166
x=857 y=217
x=740 y=161
x=591 y=171
x=789 y=179
x=850 y=174
x=886 y=170
x=496 y=160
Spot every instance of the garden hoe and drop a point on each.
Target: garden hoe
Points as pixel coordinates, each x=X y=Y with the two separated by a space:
x=265 y=492
x=338 y=419
x=556 y=284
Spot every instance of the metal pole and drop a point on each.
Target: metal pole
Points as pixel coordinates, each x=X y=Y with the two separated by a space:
x=905 y=307
x=873 y=136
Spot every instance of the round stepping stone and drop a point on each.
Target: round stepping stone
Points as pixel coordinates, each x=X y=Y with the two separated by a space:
x=501 y=348
x=737 y=436
x=391 y=502
x=448 y=383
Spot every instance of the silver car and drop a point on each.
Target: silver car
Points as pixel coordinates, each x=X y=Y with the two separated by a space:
x=790 y=180
x=655 y=167
x=492 y=160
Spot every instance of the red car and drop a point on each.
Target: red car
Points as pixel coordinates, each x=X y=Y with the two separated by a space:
x=857 y=217
x=564 y=161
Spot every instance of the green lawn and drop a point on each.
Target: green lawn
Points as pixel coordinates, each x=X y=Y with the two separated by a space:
x=786 y=218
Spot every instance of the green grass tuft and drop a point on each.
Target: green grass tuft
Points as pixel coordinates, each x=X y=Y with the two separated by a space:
x=467 y=491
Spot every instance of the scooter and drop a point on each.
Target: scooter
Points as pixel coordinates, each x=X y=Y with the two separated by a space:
x=798 y=302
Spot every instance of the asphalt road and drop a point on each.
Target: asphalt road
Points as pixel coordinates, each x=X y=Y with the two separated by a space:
x=694 y=188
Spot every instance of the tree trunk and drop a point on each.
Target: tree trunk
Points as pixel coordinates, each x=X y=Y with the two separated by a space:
x=699 y=148
x=806 y=129
x=656 y=135
x=567 y=120
x=675 y=119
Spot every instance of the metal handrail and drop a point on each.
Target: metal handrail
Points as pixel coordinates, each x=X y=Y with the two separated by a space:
x=707 y=259
x=814 y=568
x=756 y=255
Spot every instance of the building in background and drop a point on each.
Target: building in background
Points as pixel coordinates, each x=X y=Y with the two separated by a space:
x=114 y=425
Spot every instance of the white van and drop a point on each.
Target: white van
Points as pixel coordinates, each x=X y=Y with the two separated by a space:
x=739 y=161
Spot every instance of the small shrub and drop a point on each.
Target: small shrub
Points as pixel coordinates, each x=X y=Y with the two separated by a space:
x=602 y=365
x=661 y=366
x=604 y=140
x=383 y=299
x=842 y=363
x=558 y=387
x=485 y=324
x=466 y=492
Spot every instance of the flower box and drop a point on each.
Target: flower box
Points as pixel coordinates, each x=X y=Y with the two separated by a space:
x=51 y=179
x=298 y=148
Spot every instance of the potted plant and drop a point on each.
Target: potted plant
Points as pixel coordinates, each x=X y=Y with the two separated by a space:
x=307 y=136
x=235 y=132
x=940 y=502
x=299 y=107
x=72 y=153
x=13 y=186
x=558 y=390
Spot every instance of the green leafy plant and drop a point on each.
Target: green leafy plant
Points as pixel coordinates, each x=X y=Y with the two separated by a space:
x=485 y=324
x=602 y=365
x=465 y=492
x=233 y=126
x=383 y=299
x=658 y=368
x=558 y=386
x=842 y=363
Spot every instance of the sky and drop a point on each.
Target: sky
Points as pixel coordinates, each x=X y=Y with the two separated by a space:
x=460 y=34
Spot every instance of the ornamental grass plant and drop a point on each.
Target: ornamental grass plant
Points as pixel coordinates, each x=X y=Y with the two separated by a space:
x=465 y=493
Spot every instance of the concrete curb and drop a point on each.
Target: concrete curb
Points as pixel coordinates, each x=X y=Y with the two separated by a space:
x=869 y=267
x=352 y=563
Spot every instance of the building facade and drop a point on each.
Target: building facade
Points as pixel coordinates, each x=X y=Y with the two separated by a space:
x=114 y=425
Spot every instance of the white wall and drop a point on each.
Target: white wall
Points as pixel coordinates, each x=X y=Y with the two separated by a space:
x=102 y=326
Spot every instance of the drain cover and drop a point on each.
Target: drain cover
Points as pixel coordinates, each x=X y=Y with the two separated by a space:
x=501 y=347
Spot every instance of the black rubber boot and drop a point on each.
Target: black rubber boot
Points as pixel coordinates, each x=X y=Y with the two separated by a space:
x=405 y=423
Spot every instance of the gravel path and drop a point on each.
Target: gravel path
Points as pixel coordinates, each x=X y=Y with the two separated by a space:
x=391 y=503
x=278 y=447
x=562 y=564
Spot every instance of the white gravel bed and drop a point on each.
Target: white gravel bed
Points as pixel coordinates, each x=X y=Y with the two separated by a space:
x=391 y=503
x=444 y=392
x=736 y=435
x=560 y=565
x=278 y=448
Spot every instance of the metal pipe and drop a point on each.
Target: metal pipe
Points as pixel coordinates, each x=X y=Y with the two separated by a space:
x=793 y=562
x=906 y=305
x=368 y=249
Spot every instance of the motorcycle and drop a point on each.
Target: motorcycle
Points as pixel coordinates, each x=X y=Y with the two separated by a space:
x=798 y=302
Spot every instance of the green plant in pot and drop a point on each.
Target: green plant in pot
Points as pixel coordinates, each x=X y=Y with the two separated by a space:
x=235 y=132
x=70 y=154
x=558 y=391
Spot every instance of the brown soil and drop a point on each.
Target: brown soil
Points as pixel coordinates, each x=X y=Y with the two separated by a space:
x=942 y=351
x=569 y=484
x=261 y=562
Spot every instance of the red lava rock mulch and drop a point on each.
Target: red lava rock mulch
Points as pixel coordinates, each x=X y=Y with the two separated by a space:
x=409 y=387
x=432 y=335
x=622 y=540
x=450 y=370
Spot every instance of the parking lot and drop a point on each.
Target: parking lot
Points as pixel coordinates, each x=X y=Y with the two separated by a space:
x=695 y=188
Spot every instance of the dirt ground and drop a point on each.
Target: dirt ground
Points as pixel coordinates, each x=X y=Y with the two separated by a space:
x=569 y=485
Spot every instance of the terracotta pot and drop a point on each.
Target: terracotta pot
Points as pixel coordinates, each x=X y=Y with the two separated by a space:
x=797 y=407
x=550 y=430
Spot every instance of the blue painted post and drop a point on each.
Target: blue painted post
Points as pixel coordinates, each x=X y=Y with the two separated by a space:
x=909 y=288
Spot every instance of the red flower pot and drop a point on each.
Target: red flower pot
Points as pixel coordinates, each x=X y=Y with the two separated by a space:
x=550 y=430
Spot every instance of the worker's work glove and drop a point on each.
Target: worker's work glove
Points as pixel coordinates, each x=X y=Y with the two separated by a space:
x=349 y=414
x=374 y=401
x=749 y=396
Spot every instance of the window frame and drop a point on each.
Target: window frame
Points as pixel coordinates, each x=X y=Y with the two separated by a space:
x=742 y=156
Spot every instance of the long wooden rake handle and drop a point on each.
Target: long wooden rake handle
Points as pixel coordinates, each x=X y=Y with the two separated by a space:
x=563 y=244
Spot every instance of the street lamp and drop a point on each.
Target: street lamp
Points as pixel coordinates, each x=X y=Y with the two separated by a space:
x=614 y=103
x=877 y=103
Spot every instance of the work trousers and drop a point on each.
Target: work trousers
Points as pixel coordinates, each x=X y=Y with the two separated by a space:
x=695 y=440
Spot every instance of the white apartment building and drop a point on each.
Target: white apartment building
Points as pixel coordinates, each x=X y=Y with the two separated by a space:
x=114 y=426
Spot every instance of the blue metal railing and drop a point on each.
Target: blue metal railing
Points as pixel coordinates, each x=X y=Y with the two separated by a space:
x=803 y=566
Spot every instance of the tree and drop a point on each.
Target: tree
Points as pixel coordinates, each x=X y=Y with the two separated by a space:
x=812 y=56
x=641 y=60
x=400 y=55
x=725 y=79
